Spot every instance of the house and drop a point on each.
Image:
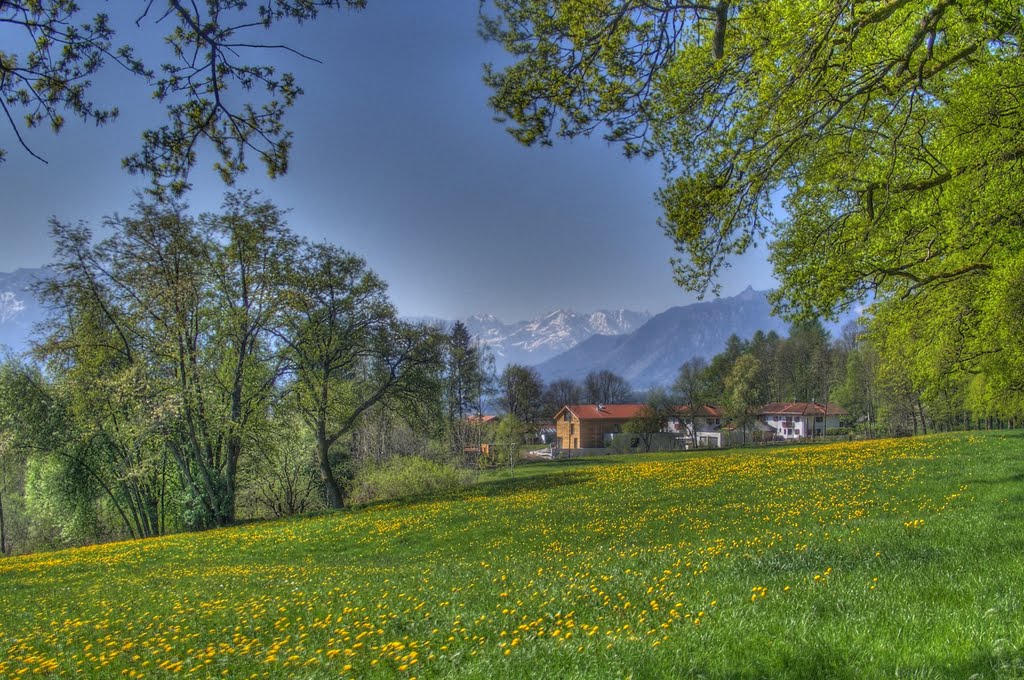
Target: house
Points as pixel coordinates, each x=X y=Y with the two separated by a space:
x=707 y=418
x=483 y=420
x=707 y=421
x=593 y=426
x=585 y=426
x=794 y=420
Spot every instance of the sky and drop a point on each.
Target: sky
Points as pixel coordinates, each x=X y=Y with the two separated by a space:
x=396 y=158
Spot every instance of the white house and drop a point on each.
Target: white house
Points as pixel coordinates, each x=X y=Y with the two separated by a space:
x=707 y=421
x=795 y=420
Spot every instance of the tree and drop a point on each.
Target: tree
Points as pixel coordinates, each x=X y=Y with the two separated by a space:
x=464 y=371
x=805 y=363
x=280 y=478
x=561 y=393
x=508 y=437
x=348 y=352
x=465 y=384
x=891 y=129
x=199 y=82
x=519 y=392
x=161 y=343
x=652 y=418
x=693 y=390
x=721 y=364
x=605 y=387
x=740 y=393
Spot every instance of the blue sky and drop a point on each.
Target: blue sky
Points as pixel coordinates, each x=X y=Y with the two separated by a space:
x=398 y=159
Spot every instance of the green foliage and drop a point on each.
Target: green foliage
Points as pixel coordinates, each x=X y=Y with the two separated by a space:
x=520 y=392
x=508 y=436
x=890 y=129
x=279 y=478
x=198 y=82
x=349 y=352
x=740 y=393
x=179 y=349
x=652 y=418
x=406 y=477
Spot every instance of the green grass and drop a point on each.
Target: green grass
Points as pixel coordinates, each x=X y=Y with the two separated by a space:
x=899 y=558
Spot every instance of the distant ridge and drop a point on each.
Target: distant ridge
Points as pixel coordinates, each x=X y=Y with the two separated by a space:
x=538 y=339
x=651 y=355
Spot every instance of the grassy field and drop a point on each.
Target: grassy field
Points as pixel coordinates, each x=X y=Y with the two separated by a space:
x=875 y=559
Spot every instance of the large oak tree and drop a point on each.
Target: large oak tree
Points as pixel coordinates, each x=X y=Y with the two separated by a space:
x=891 y=130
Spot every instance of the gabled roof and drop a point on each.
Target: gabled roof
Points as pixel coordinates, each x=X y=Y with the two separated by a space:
x=482 y=419
x=706 y=410
x=801 y=408
x=602 y=411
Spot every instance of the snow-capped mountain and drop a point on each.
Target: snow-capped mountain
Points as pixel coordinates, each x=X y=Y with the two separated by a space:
x=651 y=355
x=536 y=340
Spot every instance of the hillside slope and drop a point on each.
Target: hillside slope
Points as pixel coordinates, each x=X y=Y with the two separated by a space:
x=865 y=559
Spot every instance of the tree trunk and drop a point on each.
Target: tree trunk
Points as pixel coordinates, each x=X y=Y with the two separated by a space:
x=335 y=495
x=3 y=528
x=230 y=475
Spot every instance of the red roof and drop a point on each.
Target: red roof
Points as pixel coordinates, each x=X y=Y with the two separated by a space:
x=801 y=408
x=703 y=410
x=603 y=411
x=482 y=419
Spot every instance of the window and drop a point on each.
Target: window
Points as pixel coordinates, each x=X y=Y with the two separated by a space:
x=819 y=419
x=572 y=428
x=568 y=416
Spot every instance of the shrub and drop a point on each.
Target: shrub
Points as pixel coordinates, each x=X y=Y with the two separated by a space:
x=839 y=432
x=406 y=476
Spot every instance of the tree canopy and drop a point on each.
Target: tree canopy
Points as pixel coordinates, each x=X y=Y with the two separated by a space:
x=212 y=92
x=890 y=129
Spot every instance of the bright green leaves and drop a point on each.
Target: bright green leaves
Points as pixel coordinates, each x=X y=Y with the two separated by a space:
x=580 y=66
x=891 y=130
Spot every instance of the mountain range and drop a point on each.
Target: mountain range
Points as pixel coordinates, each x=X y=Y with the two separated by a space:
x=645 y=350
x=537 y=340
x=652 y=354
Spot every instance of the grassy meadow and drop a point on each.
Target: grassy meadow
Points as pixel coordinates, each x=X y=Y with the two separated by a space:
x=867 y=559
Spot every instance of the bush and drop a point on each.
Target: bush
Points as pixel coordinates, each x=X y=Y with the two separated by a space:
x=406 y=476
x=839 y=432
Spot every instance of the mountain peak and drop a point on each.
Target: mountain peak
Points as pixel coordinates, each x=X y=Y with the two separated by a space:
x=749 y=293
x=538 y=339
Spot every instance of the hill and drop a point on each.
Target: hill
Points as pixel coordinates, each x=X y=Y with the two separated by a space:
x=865 y=559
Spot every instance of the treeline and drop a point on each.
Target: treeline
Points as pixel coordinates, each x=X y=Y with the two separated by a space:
x=889 y=386
x=520 y=391
x=200 y=370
